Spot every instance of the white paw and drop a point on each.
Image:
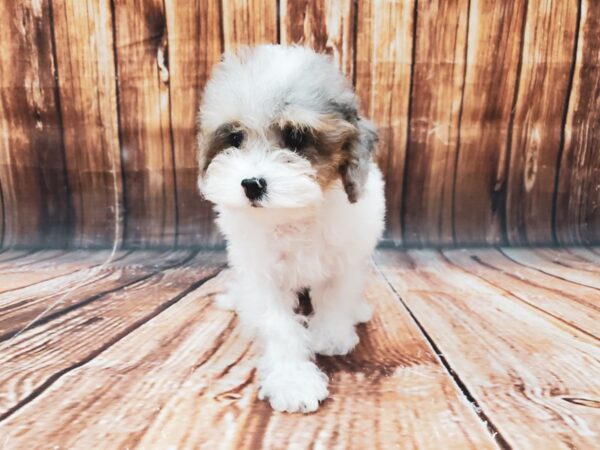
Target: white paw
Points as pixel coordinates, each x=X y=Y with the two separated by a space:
x=225 y=302
x=332 y=341
x=363 y=312
x=294 y=387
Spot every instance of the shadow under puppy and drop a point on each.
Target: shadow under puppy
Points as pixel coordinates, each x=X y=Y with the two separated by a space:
x=287 y=160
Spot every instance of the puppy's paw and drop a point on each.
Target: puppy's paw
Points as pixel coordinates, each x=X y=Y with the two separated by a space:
x=363 y=312
x=332 y=341
x=294 y=387
x=225 y=302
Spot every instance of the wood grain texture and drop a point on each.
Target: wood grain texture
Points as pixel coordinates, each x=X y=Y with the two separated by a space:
x=326 y=26
x=575 y=305
x=193 y=361
x=14 y=276
x=194 y=45
x=83 y=32
x=577 y=215
x=35 y=191
x=11 y=255
x=535 y=142
x=493 y=53
x=80 y=335
x=384 y=45
x=436 y=96
x=45 y=299
x=249 y=22
x=555 y=267
x=510 y=358
x=145 y=122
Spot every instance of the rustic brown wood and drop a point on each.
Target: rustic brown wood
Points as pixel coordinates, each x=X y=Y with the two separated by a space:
x=537 y=126
x=145 y=123
x=194 y=46
x=586 y=253
x=553 y=267
x=83 y=32
x=43 y=298
x=249 y=22
x=32 y=165
x=384 y=45
x=493 y=52
x=14 y=276
x=438 y=76
x=326 y=26
x=510 y=358
x=577 y=212
x=577 y=306
x=191 y=361
x=487 y=111
x=11 y=255
x=580 y=258
x=19 y=258
x=79 y=336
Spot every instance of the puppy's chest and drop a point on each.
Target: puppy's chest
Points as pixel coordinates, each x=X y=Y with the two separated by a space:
x=303 y=254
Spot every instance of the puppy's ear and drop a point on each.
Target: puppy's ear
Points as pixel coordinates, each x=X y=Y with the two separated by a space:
x=359 y=151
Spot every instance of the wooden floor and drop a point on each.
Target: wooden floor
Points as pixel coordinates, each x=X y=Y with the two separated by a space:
x=468 y=349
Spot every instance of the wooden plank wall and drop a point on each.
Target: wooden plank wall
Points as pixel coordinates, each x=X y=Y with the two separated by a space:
x=488 y=112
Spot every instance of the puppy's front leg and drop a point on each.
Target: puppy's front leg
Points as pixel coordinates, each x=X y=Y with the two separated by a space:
x=338 y=305
x=288 y=376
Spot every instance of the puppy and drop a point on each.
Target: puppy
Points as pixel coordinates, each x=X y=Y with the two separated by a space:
x=288 y=162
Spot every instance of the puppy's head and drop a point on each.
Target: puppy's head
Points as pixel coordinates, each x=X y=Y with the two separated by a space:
x=279 y=126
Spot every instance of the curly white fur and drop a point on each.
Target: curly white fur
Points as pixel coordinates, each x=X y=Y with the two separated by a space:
x=305 y=232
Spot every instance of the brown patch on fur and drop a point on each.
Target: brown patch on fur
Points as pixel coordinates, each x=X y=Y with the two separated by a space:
x=326 y=145
x=216 y=142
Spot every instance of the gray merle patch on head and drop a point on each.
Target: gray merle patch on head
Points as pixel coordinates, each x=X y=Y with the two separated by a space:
x=359 y=150
x=347 y=110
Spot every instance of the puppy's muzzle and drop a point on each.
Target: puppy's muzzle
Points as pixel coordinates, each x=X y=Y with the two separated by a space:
x=254 y=188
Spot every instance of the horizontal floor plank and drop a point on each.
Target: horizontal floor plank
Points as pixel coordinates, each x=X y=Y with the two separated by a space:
x=186 y=379
x=536 y=381
x=33 y=360
x=19 y=274
x=12 y=255
x=586 y=274
x=568 y=304
x=20 y=307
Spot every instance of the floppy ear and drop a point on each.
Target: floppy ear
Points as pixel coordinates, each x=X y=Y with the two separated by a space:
x=359 y=151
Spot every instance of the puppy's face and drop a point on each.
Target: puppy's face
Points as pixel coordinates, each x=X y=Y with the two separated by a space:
x=279 y=126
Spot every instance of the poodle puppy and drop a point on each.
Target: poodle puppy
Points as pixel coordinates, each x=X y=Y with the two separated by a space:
x=287 y=160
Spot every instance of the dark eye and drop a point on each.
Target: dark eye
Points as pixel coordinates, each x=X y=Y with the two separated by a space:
x=236 y=138
x=295 y=138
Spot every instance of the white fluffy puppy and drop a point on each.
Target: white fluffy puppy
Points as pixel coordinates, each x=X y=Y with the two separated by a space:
x=287 y=160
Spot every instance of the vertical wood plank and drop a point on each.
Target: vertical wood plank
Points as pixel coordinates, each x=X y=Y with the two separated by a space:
x=440 y=43
x=146 y=147
x=577 y=215
x=326 y=26
x=32 y=165
x=549 y=40
x=384 y=45
x=86 y=72
x=194 y=47
x=494 y=39
x=249 y=22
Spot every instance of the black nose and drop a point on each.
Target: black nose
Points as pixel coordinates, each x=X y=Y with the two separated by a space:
x=254 y=187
